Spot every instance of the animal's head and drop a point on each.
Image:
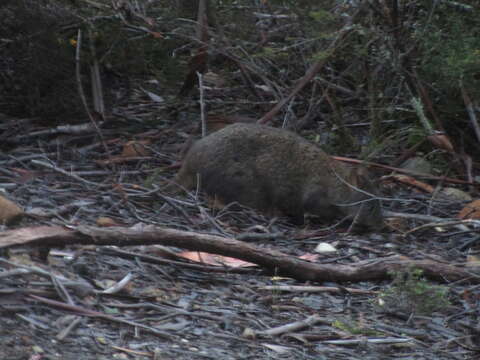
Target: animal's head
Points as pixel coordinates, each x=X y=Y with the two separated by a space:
x=356 y=195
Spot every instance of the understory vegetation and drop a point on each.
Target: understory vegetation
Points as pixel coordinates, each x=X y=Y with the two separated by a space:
x=391 y=75
x=100 y=100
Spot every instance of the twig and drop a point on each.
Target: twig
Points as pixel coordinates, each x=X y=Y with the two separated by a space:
x=317 y=289
x=163 y=261
x=470 y=111
x=371 y=341
x=418 y=107
x=78 y=76
x=455 y=223
x=93 y=313
x=97 y=89
x=78 y=129
x=64 y=333
x=83 y=285
x=170 y=201
x=67 y=173
x=37 y=323
x=405 y=171
x=82 y=93
x=297 y=325
x=311 y=72
x=434 y=221
x=202 y=104
x=119 y=285
x=61 y=290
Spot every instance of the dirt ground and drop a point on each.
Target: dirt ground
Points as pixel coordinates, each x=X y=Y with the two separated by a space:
x=104 y=302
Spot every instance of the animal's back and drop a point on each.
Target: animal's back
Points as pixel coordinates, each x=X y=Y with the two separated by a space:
x=279 y=149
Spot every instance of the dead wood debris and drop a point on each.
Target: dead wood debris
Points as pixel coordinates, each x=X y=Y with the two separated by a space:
x=271 y=259
x=165 y=300
x=151 y=291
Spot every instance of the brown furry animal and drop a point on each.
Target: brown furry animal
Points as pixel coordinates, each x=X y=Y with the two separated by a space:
x=275 y=170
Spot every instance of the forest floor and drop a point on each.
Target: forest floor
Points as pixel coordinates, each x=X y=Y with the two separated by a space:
x=58 y=303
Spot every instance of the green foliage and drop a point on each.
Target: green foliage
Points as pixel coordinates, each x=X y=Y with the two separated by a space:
x=418 y=107
x=272 y=54
x=354 y=328
x=321 y=15
x=373 y=148
x=451 y=47
x=369 y=73
x=153 y=178
x=321 y=55
x=410 y=292
x=415 y=135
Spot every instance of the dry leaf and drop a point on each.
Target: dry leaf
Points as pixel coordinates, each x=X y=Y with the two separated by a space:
x=215 y=260
x=473 y=261
x=218 y=260
x=470 y=211
x=9 y=211
x=309 y=257
x=397 y=224
x=413 y=182
x=441 y=141
x=136 y=148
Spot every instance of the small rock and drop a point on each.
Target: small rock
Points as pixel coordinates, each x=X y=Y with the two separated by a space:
x=325 y=248
x=456 y=194
x=376 y=237
x=9 y=211
x=248 y=333
x=417 y=164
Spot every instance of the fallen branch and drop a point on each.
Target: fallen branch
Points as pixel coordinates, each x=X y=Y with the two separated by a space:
x=317 y=289
x=79 y=310
x=271 y=259
x=405 y=171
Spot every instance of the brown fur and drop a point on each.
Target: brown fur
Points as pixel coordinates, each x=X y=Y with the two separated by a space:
x=276 y=170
